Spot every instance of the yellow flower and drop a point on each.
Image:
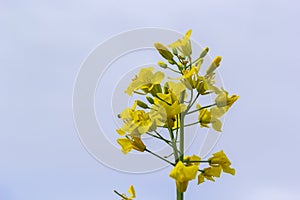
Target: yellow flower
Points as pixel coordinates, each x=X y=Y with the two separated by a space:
x=130 y=143
x=209 y=173
x=220 y=159
x=184 y=45
x=183 y=174
x=192 y=160
x=217 y=162
x=131 y=191
x=136 y=122
x=211 y=116
x=166 y=107
x=224 y=100
x=145 y=81
x=190 y=77
x=202 y=86
x=177 y=89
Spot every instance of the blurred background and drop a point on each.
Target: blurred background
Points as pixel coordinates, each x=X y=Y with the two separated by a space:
x=43 y=43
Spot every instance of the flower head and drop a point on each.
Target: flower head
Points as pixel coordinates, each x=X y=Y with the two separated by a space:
x=192 y=160
x=184 y=45
x=183 y=174
x=166 y=107
x=190 y=77
x=146 y=81
x=209 y=174
x=130 y=143
x=224 y=100
x=210 y=116
x=136 y=122
x=220 y=159
x=131 y=191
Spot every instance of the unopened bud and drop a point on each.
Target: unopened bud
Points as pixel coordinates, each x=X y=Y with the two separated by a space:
x=175 y=52
x=162 y=64
x=142 y=104
x=172 y=62
x=217 y=60
x=150 y=100
x=163 y=51
x=214 y=65
x=204 y=52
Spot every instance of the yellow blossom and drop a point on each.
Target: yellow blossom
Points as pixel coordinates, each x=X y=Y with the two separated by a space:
x=183 y=174
x=190 y=77
x=210 y=116
x=209 y=174
x=130 y=143
x=192 y=160
x=177 y=89
x=220 y=159
x=202 y=86
x=136 y=122
x=166 y=107
x=146 y=80
x=184 y=45
x=131 y=191
x=224 y=100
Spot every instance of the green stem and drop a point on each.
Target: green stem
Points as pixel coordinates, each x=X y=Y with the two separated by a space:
x=192 y=124
x=196 y=161
x=179 y=68
x=177 y=123
x=190 y=61
x=190 y=101
x=194 y=61
x=158 y=156
x=173 y=70
x=201 y=108
x=160 y=138
x=119 y=194
x=181 y=144
x=179 y=195
x=191 y=104
x=173 y=144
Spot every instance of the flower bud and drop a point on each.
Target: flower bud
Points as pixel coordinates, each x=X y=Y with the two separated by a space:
x=150 y=100
x=214 y=65
x=172 y=62
x=163 y=51
x=175 y=52
x=142 y=104
x=162 y=64
x=166 y=88
x=204 y=52
x=138 y=144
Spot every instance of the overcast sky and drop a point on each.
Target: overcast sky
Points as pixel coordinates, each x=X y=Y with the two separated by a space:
x=42 y=46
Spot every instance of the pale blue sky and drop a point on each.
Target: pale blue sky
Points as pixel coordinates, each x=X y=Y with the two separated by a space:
x=43 y=43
